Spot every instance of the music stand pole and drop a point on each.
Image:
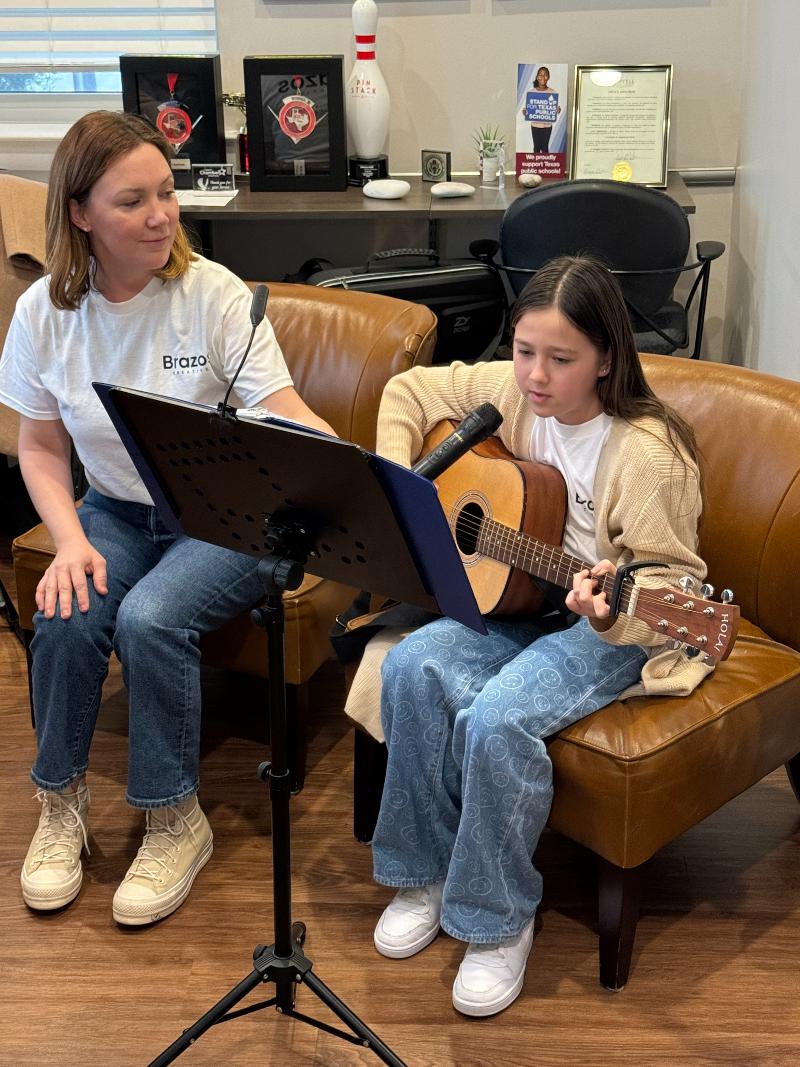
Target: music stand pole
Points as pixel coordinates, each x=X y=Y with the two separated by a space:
x=284 y=962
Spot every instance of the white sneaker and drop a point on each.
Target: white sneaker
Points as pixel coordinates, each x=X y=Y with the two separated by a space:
x=490 y=976
x=410 y=922
x=177 y=844
x=52 y=874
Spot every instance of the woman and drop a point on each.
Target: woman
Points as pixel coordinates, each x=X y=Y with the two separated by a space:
x=469 y=782
x=540 y=131
x=124 y=299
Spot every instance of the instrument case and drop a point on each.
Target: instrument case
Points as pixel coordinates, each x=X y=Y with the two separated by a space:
x=468 y=297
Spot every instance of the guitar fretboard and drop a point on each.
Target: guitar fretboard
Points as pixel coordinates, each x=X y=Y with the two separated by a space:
x=535 y=557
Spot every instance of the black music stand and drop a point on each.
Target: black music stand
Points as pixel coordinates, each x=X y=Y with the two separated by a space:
x=291 y=496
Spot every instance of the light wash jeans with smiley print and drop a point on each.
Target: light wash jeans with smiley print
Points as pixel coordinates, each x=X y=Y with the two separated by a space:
x=469 y=783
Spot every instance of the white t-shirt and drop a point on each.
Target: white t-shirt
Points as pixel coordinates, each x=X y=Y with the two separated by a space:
x=182 y=338
x=574 y=451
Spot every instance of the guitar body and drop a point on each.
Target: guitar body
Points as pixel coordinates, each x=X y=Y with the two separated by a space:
x=488 y=482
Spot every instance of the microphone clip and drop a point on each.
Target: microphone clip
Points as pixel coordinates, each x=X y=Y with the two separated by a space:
x=226 y=412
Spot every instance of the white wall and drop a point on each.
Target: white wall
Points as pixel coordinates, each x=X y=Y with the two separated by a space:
x=451 y=65
x=764 y=273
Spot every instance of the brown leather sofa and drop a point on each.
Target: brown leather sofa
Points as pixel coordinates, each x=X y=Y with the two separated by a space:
x=341 y=348
x=635 y=775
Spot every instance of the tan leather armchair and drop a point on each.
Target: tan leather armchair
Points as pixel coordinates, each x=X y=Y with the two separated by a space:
x=22 y=204
x=341 y=348
x=636 y=774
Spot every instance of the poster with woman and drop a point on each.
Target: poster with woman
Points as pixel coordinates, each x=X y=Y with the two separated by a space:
x=541 y=126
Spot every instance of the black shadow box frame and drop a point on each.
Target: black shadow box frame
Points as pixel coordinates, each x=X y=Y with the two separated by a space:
x=295 y=123
x=181 y=96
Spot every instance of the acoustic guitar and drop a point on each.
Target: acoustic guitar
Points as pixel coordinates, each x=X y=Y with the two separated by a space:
x=507 y=517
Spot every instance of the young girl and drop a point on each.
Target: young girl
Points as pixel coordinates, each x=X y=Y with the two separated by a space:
x=469 y=782
x=124 y=300
x=541 y=131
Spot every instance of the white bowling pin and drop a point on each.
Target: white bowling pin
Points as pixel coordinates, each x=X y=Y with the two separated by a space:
x=367 y=92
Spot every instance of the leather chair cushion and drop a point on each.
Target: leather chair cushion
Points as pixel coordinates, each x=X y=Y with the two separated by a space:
x=623 y=761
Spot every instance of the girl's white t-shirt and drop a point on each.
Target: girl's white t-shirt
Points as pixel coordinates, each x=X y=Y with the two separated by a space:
x=574 y=451
x=182 y=338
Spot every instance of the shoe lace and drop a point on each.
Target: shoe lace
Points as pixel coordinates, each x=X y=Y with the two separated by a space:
x=490 y=955
x=414 y=898
x=60 y=812
x=163 y=834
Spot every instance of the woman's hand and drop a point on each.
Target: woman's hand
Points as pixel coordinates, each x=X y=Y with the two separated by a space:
x=73 y=561
x=583 y=598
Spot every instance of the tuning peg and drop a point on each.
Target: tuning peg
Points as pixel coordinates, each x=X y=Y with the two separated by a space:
x=675 y=645
x=686 y=583
x=706 y=590
x=691 y=651
x=727 y=596
x=708 y=660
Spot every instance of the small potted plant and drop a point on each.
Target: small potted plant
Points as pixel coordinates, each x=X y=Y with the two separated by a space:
x=490 y=142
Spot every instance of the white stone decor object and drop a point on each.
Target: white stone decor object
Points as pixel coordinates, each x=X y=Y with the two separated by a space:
x=452 y=189
x=386 y=189
x=530 y=181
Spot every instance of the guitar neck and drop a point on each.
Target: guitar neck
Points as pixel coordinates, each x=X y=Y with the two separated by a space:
x=537 y=558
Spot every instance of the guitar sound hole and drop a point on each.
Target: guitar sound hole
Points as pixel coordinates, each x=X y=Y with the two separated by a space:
x=468 y=525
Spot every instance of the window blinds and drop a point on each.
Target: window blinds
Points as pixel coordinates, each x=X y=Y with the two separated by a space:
x=38 y=35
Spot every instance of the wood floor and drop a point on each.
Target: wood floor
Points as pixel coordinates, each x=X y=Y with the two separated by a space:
x=714 y=980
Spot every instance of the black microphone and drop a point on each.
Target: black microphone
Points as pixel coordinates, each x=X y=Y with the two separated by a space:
x=258 y=308
x=473 y=428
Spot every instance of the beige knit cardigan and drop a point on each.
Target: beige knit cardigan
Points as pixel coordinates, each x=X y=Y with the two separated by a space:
x=647 y=501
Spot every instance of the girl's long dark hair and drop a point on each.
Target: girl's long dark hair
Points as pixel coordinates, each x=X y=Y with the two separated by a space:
x=585 y=292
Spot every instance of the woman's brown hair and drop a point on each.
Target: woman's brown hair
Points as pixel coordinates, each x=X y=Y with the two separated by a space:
x=587 y=293
x=83 y=156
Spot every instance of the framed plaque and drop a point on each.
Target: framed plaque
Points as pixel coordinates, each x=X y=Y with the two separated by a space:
x=295 y=122
x=620 y=123
x=182 y=97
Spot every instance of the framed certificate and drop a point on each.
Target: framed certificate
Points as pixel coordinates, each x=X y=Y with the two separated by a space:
x=620 y=123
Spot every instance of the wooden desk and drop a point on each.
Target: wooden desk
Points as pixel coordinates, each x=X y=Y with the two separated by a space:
x=418 y=204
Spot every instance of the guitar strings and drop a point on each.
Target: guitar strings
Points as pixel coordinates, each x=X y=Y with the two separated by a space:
x=523 y=547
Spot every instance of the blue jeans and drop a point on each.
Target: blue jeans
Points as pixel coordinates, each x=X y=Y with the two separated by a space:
x=163 y=593
x=469 y=783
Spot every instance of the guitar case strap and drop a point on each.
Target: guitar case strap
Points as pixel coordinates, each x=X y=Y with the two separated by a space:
x=354 y=627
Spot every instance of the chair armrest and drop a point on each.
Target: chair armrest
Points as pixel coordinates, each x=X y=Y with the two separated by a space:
x=708 y=250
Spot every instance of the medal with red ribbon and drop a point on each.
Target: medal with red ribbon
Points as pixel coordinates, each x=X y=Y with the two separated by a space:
x=297 y=116
x=173 y=119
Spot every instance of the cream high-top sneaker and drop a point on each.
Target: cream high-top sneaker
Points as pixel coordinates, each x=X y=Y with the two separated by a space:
x=52 y=874
x=177 y=844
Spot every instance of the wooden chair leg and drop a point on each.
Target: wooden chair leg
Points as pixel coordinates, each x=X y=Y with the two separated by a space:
x=618 y=912
x=793 y=771
x=369 y=771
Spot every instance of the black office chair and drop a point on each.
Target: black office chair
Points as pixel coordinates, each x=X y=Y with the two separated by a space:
x=643 y=236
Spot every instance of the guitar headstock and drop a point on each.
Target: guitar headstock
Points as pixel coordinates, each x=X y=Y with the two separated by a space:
x=705 y=626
